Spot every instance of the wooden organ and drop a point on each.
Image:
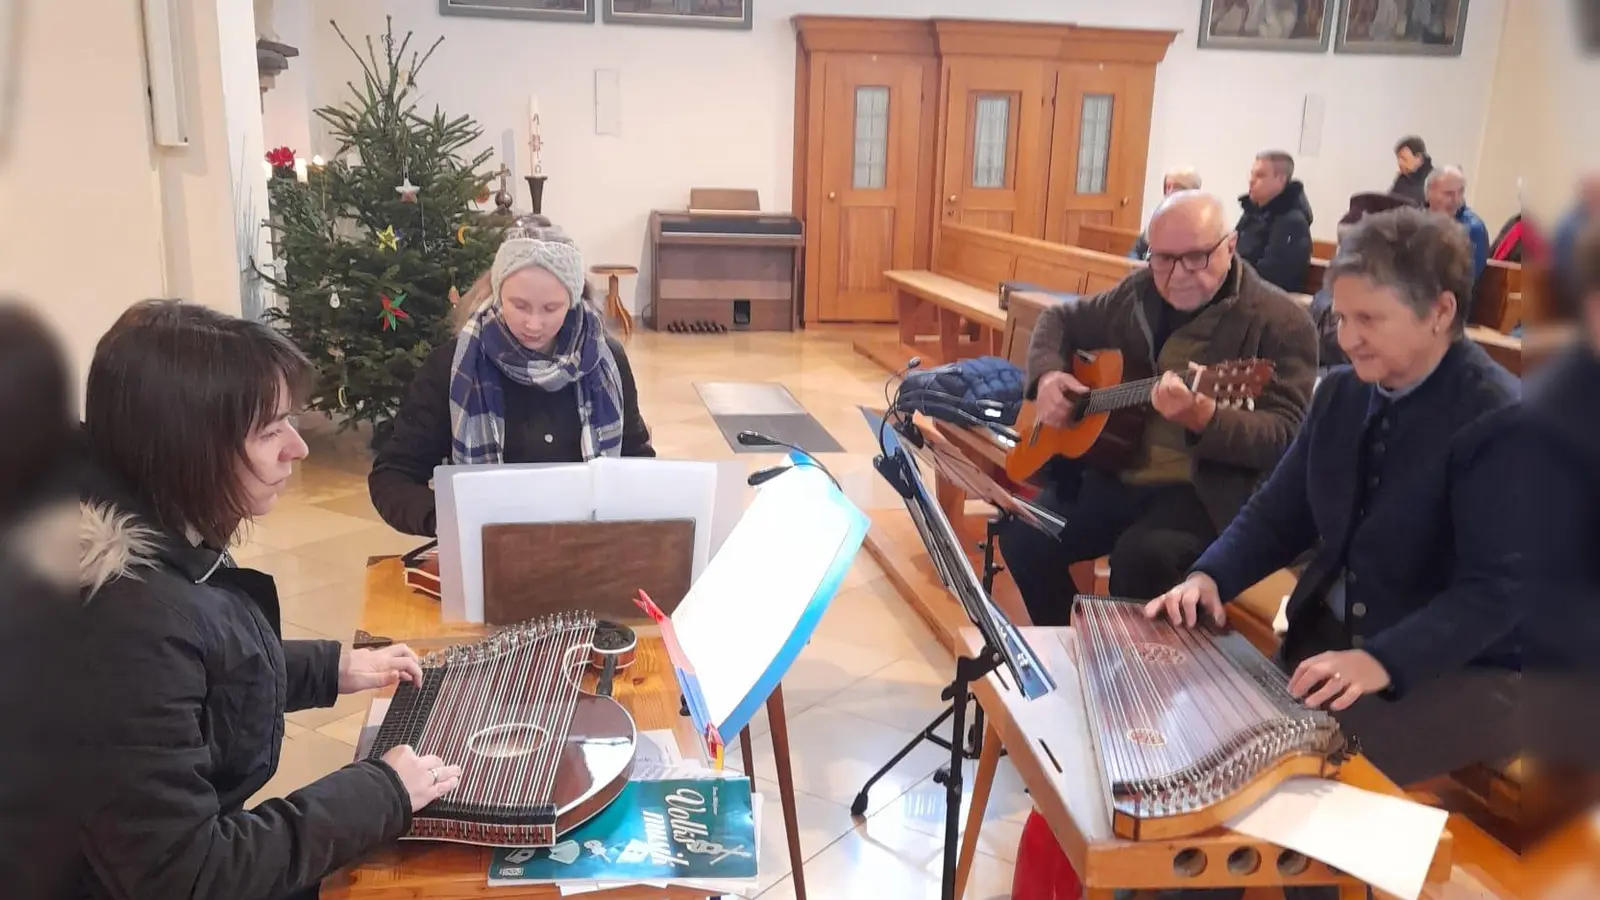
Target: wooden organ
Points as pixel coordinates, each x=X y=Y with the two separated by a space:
x=538 y=755
x=1190 y=726
x=723 y=265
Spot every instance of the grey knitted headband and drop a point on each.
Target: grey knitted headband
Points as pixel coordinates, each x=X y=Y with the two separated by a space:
x=559 y=258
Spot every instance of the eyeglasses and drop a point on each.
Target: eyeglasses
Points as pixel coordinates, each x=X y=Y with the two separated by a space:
x=1193 y=261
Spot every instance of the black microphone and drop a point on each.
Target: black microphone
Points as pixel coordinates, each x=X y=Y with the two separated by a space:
x=762 y=476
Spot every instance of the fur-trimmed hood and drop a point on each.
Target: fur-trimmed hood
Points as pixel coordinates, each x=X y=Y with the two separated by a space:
x=112 y=544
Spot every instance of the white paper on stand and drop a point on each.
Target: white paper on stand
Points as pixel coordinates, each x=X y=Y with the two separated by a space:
x=604 y=489
x=744 y=610
x=1387 y=842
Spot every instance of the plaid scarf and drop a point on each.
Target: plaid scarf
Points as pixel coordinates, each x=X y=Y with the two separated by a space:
x=486 y=352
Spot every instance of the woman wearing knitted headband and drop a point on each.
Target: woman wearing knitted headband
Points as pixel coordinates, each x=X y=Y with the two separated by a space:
x=531 y=377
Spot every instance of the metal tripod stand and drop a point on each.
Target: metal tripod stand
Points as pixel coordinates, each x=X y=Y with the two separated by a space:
x=958 y=696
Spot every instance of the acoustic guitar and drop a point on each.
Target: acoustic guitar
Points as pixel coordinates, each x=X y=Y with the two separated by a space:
x=1107 y=423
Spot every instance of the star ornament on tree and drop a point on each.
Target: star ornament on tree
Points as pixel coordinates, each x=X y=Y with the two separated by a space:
x=387 y=239
x=391 y=312
x=407 y=191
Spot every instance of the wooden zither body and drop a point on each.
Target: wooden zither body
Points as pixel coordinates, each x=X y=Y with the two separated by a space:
x=539 y=755
x=1191 y=726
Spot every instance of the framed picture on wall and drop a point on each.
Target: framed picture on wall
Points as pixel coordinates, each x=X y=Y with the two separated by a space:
x=538 y=10
x=685 y=13
x=1402 y=27
x=1304 y=26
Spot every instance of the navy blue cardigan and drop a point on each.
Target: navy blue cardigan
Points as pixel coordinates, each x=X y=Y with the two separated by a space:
x=1431 y=570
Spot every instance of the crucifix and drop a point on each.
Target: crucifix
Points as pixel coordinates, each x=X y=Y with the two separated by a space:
x=502 y=197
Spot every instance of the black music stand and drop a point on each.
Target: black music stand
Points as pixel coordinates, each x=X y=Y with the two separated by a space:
x=1003 y=644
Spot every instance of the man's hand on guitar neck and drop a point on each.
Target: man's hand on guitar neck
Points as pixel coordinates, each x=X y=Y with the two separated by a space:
x=1057 y=392
x=1176 y=403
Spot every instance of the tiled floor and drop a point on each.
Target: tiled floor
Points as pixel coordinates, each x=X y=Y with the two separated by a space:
x=868 y=681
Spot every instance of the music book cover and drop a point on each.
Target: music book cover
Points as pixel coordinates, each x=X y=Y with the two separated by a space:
x=683 y=829
x=752 y=611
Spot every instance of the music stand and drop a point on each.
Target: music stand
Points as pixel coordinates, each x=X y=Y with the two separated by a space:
x=1003 y=644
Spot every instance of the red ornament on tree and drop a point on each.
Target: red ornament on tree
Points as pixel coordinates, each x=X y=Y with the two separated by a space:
x=391 y=311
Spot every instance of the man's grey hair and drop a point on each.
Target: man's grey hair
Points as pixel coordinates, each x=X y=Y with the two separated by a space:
x=1196 y=200
x=1282 y=163
x=1445 y=172
x=1415 y=253
x=1185 y=177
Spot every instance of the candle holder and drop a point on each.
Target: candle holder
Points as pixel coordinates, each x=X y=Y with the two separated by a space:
x=536 y=192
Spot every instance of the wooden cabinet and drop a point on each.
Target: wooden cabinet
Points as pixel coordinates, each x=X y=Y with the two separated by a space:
x=903 y=124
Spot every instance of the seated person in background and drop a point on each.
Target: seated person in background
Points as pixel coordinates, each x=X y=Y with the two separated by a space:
x=1330 y=353
x=1447 y=195
x=532 y=377
x=1275 y=229
x=1182 y=178
x=1406 y=478
x=1415 y=165
x=1561 y=637
x=1194 y=303
x=1564 y=242
x=184 y=681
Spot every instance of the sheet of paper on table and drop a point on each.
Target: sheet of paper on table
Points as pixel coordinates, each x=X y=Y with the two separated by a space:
x=1387 y=842
x=725 y=886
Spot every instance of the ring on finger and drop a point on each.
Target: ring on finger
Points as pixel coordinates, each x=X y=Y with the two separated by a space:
x=435 y=774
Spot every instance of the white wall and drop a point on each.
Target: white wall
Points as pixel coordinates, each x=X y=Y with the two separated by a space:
x=93 y=216
x=80 y=225
x=286 y=108
x=712 y=108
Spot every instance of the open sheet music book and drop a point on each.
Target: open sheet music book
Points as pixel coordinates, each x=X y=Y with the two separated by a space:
x=605 y=489
x=757 y=603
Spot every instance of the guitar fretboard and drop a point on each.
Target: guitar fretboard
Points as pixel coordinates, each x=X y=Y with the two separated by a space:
x=1123 y=396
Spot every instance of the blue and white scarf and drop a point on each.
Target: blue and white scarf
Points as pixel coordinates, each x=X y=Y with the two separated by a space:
x=486 y=352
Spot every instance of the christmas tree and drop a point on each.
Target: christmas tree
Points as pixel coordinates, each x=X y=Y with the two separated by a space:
x=375 y=244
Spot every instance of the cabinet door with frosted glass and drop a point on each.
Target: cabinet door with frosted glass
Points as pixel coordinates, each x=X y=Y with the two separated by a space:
x=872 y=155
x=996 y=143
x=1102 y=136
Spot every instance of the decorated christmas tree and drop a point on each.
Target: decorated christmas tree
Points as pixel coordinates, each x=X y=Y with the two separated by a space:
x=376 y=243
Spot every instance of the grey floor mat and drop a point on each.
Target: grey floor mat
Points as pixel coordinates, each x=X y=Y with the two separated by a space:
x=765 y=407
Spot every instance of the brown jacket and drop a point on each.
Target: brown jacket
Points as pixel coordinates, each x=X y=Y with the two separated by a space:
x=1240 y=446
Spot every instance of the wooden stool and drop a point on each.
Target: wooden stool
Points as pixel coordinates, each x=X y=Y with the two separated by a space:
x=614 y=308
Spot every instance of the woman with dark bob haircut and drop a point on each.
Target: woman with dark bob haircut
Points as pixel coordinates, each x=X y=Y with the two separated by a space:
x=187 y=420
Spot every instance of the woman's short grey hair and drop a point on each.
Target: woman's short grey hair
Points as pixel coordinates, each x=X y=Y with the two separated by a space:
x=1185 y=177
x=1417 y=254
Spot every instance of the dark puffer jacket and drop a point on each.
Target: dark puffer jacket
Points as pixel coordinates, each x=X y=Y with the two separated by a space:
x=1275 y=239
x=186 y=681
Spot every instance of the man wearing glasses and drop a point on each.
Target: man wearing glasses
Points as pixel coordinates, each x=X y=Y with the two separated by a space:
x=1195 y=304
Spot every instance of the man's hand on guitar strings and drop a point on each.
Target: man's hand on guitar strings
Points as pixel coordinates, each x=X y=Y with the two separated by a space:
x=1176 y=403
x=1056 y=395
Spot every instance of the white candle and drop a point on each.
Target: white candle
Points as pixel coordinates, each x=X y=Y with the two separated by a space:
x=267 y=167
x=317 y=161
x=300 y=170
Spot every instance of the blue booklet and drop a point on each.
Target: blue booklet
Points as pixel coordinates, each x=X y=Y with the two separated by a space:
x=683 y=829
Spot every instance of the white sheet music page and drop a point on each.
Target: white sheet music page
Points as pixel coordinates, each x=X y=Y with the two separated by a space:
x=745 y=606
x=635 y=489
x=1387 y=842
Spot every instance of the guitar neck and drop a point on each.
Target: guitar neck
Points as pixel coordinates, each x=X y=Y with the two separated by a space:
x=1127 y=395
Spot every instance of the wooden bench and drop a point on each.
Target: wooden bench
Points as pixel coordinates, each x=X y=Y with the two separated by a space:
x=1107 y=238
x=967 y=320
x=953 y=310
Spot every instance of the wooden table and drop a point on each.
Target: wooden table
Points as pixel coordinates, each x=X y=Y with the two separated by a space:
x=1049 y=743
x=648 y=689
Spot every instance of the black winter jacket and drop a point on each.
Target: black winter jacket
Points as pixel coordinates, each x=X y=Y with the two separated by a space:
x=541 y=427
x=1275 y=239
x=186 y=682
x=1414 y=185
